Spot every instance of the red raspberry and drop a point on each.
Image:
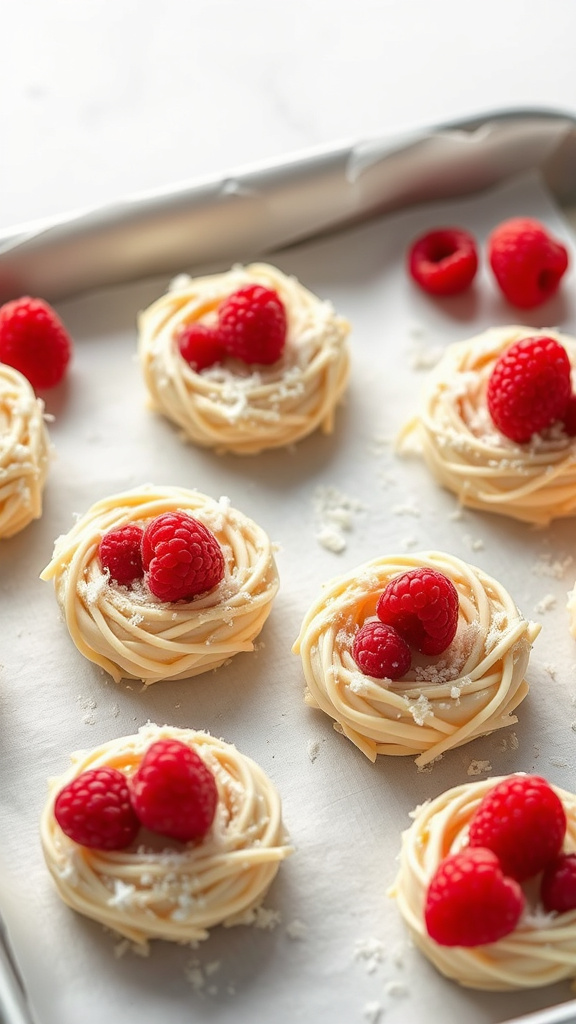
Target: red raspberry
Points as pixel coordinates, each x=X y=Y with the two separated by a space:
x=121 y=553
x=252 y=324
x=422 y=605
x=444 y=261
x=182 y=557
x=95 y=810
x=558 y=886
x=527 y=262
x=34 y=341
x=200 y=346
x=569 y=417
x=522 y=820
x=174 y=792
x=380 y=651
x=529 y=387
x=470 y=902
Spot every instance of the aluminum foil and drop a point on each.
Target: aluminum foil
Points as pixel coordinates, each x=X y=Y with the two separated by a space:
x=259 y=210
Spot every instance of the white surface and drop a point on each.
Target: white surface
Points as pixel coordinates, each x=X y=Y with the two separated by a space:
x=100 y=99
x=344 y=814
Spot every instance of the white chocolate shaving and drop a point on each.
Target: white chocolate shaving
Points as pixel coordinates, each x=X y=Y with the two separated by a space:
x=129 y=632
x=533 y=482
x=468 y=691
x=234 y=407
x=178 y=891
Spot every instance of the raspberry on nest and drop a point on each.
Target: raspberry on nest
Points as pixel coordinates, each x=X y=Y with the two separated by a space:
x=422 y=605
x=380 y=651
x=529 y=388
x=121 y=553
x=95 y=810
x=181 y=557
x=252 y=324
x=174 y=792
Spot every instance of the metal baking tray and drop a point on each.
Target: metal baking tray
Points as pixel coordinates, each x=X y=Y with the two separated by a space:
x=255 y=212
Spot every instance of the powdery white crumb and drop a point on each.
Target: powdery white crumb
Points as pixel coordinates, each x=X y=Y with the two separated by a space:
x=335 y=513
x=396 y=988
x=266 y=918
x=457 y=515
x=373 y=1012
x=478 y=767
x=331 y=538
x=559 y=762
x=372 y=951
x=427 y=768
x=474 y=543
x=313 y=749
x=420 y=709
x=510 y=742
x=555 y=569
x=546 y=604
x=406 y=509
x=296 y=930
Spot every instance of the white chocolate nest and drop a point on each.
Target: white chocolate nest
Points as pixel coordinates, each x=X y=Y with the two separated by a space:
x=471 y=689
x=24 y=452
x=129 y=632
x=163 y=889
x=235 y=407
x=454 y=433
x=542 y=948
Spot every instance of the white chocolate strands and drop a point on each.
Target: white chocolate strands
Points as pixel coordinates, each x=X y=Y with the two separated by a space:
x=129 y=632
x=540 y=951
x=469 y=690
x=235 y=407
x=24 y=452
x=179 y=891
x=454 y=433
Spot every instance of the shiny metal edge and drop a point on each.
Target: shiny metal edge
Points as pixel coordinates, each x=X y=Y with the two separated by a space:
x=255 y=211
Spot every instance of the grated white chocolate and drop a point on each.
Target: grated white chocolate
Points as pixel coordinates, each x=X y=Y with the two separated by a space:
x=234 y=407
x=176 y=891
x=24 y=452
x=128 y=631
x=540 y=951
x=533 y=482
x=470 y=690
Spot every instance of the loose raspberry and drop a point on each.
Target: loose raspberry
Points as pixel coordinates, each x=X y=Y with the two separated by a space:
x=200 y=345
x=444 y=261
x=252 y=324
x=522 y=820
x=95 y=810
x=121 y=553
x=558 y=886
x=470 y=902
x=174 y=792
x=380 y=651
x=422 y=605
x=182 y=557
x=34 y=341
x=529 y=387
x=527 y=261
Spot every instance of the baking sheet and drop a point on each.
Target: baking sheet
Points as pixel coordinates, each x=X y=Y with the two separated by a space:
x=338 y=943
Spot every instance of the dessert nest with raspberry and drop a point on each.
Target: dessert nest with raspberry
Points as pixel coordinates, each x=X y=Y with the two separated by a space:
x=487 y=882
x=24 y=452
x=244 y=361
x=497 y=423
x=163 y=583
x=163 y=881
x=394 y=697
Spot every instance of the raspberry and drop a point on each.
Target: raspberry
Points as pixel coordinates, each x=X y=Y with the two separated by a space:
x=182 y=557
x=380 y=651
x=558 y=886
x=527 y=262
x=522 y=820
x=444 y=261
x=174 y=792
x=470 y=902
x=34 y=341
x=200 y=346
x=95 y=810
x=121 y=553
x=569 y=417
x=252 y=324
x=422 y=605
x=529 y=387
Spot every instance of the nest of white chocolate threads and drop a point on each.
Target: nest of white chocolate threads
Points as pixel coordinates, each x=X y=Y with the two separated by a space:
x=24 y=452
x=540 y=951
x=235 y=407
x=534 y=482
x=470 y=690
x=130 y=633
x=179 y=891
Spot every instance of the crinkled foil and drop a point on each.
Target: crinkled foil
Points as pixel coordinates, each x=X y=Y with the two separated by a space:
x=256 y=211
